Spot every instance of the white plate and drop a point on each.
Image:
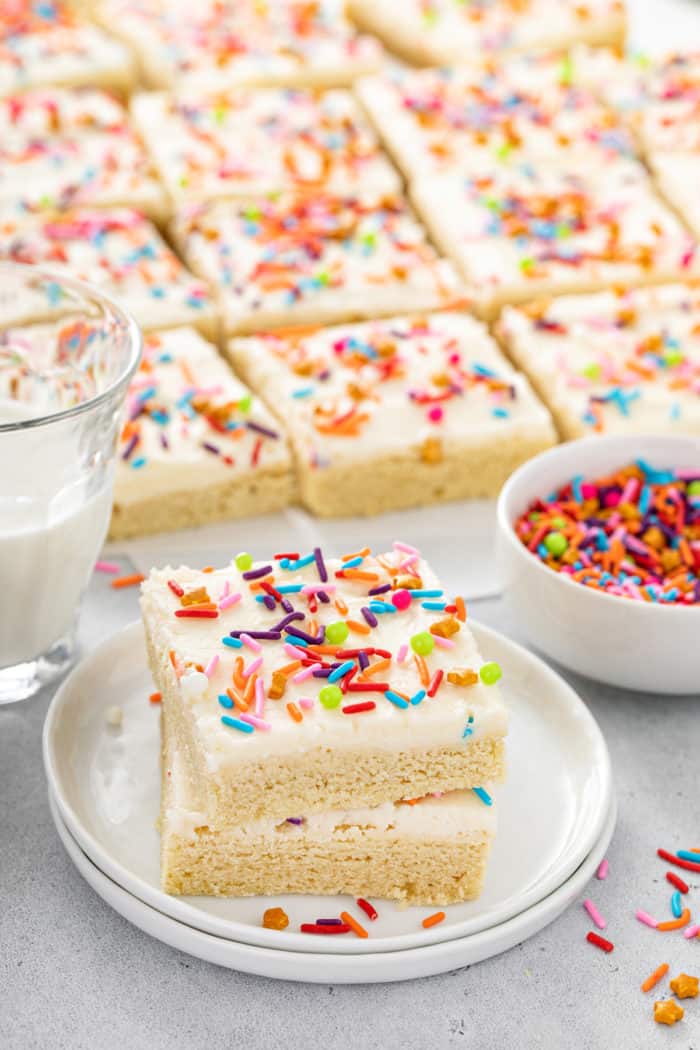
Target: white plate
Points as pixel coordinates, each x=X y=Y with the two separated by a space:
x=376 y=967
x=106 y=785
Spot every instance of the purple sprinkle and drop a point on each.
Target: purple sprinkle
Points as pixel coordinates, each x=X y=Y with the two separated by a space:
x=288 y=619
x=287 y=605
x=295 y=820
x=133 y=442
x=323 y=597
x=263 y=430
x=271 y=636
x=269 y=602
x=329 y=922
x=320 y=565
x=363 y=659
x=297 y=632
x=369 y=616
x=210 y=448
x=380 y=590
x=322 y=672
x=164 y=441
x=255 y=574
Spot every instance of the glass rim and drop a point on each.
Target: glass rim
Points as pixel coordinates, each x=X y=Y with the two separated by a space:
x=88 y=292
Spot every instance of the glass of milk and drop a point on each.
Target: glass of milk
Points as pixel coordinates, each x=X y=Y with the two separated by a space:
x=67 y=355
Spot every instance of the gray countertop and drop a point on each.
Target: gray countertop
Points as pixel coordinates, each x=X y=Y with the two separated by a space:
x=75 y=974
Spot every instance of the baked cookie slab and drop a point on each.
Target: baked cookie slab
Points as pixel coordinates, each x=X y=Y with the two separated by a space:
x=625 y=362
x=339 y=683
x=196 y=446
x=524 y=234
x=225 y=43
x=313 y=259
x=394 y=413
x=432 y=851
x=68 y=147
x=237 y=143
x=450 y=32
x=117 y=250
x=49 y=43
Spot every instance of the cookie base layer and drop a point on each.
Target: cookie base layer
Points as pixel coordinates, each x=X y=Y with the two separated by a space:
x=378 y=862
x=261 y=493
x=322 y=779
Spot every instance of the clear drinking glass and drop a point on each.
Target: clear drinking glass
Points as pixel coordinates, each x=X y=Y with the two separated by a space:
x=66 y=357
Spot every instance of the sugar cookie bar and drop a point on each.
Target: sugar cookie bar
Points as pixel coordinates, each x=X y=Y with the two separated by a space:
x=69 y=147
x=313 y=259
x=48 y=43
x=339 y=684
x=450 y=32
x=429 y=852
x=401 y=412
x=197 y=445
x=117 y=250
x=213 y=44
x=503 y=113
x=521 y=235
x=237 y=143
x=625 y=362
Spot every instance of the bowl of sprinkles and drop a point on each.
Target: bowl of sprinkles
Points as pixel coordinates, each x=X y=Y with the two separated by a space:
x=599 y=545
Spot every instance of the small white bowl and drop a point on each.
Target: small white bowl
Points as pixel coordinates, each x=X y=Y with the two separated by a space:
x=622 y=641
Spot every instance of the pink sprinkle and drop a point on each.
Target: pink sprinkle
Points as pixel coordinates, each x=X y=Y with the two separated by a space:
x=595 y=914
x=404 y=547
x=297 y=654
x=691 y=931
x=443 y=643
x=314 y=588
x=435 y=414
x=408 y=563
x=212 y=665
x=305 y=673
x=225 y=590
x=602 y=872
x=107 y=566
x=252 y=643
x=647 y=919
x=245 y=716
x=230 y=600
x=306 y=702
x=253 y=667
x=259 y=697
x=401 y=655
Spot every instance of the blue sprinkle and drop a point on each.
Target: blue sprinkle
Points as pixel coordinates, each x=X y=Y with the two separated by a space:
x=353 y=563
x=381 y=607
x=469 y=728
x=576 y=488
x=232 y=643
x=438 y=606
x=289 y=588
x=416 y=699
x=500 y=413
x=298 y=564
x=395 y=699
x=426 y=594
x=341 y=671
x=235 y=723
x=655 y=477
x=645 y=499
x=306 y=391
x=482 y=794
x=140 y=461
x=225 y=701
x=676 y=906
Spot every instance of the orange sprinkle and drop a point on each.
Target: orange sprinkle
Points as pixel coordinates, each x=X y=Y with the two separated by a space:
x=173 y=658
x=155 y=698
x=330 y=650
x=289 y=668
x=423 y=671
x=655 y=977
x=294 y=712
x=127 y=581
x=353 y=924
x=433 y=920
x=358 y=554
x=238 y=679
x=208 y=568
x=341 y=607
x=357 y=627
x=249 y=691
x=676 y=924
x=238 y=701
x=358 y=574
x=461 y=609
x=380 y=665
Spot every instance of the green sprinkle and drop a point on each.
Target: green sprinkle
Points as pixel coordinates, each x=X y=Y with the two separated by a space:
x=490 y=673
x=694 y=488
x=423 y=643
x=244 y=561
x=330 y=696
x=337 y=632
x=591 y=371
x=245 y=404
x=556 y=544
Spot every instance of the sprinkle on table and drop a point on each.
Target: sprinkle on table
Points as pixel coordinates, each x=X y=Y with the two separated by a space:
x=354 y=925
x=599 y=942
x=667 y=1011
x=275 y=919
x=127 y=581
x=684 y=986
x=433 y=920
x=654 y=978
x=369 y=909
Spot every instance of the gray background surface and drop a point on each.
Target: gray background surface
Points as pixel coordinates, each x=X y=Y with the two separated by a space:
x=75 y=974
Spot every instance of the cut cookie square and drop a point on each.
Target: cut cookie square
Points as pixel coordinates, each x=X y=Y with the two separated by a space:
x=313 y=259
x=243 y=142
x=69 y=147
x=196 y=446
x=450 y=32
x=522 y=235
x=401 y=412
x=117 y=250
x=321 y=698
x=48 y=43
x=677 y=176
x=215 y=44
x=625 y=362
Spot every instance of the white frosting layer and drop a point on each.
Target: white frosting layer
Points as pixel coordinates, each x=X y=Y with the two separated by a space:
x=179 y=401
x=118 y=251
x=313 y=259
x=621 y=363
x=403 y=380
x=55 y=110
x=458 y=814
x=243 y=142
x=435 y=722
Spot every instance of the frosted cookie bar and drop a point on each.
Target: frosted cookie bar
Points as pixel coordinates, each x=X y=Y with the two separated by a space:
x=228 y=144
x=117 y=250
x=450 y=32
x=401 y=412
x=48 y=43
x=62 y=147
x=520 y=235
x=493 y=114
x=224 y=43
x=431 y=851
x=197 y=446
x=615 y=362
x=306 y=684
x=313 y=259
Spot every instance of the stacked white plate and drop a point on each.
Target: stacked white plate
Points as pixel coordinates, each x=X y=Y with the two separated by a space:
x=556 y=818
